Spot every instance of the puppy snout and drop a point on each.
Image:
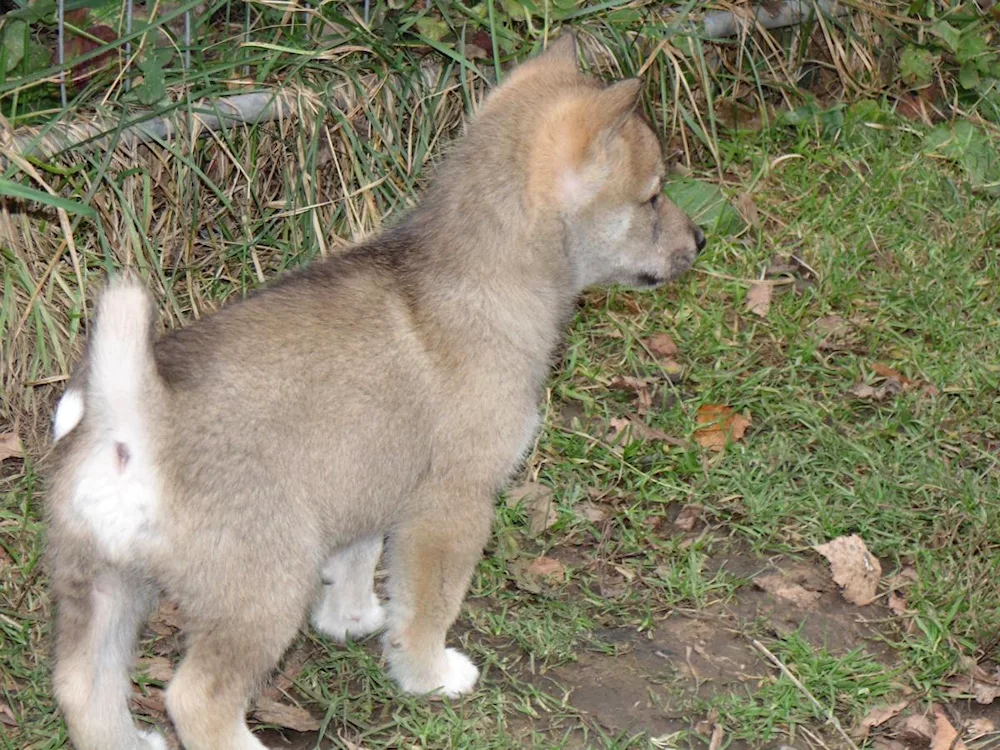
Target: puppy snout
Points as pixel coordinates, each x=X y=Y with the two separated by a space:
x=699 y=239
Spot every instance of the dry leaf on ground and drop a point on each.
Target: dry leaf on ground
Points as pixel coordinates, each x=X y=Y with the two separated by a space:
x=979 y=728
x=166 y=620
x=916 y=728
x=638 y=430
x=546 y=567
x=297 y=719
x=7 y=717
x=759 y=299
x=153 y=703
x=538 y=504
x=717 y=736
x=945 y=736
x=879 y=716
x=884 y=371
x=689 y=516
x=777 y=585
x=639 y=386
x=719 y=424
x=856 y=570
x=158 y=668
x=10 y=446
x=662 y=345
x=870 y=393
x=897 y=604
x=590 y=512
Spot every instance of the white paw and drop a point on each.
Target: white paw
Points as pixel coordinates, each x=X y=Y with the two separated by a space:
x=341 y=623
x=152 y=741
x=462 y=674
x=456 y=675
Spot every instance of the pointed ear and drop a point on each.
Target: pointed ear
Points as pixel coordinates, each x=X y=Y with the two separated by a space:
x=562 y=51
x=594 y=159
x=617 y=102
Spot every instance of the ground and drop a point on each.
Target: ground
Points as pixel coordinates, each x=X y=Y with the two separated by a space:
x=643 y=589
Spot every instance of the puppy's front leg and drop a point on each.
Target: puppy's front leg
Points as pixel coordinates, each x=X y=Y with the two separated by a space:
x=432 y=556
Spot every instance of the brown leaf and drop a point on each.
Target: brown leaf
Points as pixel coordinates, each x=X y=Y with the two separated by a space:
x=897 y=604
x=717 y=736
x=153 y=703
x=546 y=567
x=719 y=425
x=945 y=737
x=884 y=371
x=639 y=430
x=7 y=717
x=662 y=345
x=759 y=299
x=879 y=716
x=854 y=568
x=688 y=516
x=869 y=393
x=979 y=728
x=296 y=718
x=916 y=728
x=590 y=512
x=537 y=502
x=777 y=585
x=984 y=693
x=158 y=668
x=348 y=743
x=639 y=386
x=748 y=209
x=166 y=620
x=10 y=446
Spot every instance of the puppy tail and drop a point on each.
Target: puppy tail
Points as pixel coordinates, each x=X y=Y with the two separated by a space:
x=120 y=381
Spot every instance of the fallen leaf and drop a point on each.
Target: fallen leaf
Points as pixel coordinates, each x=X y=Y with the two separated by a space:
x=759 y=299
x=832 y=325
x=854 y=568
x=748 y=209
x=719 y=424
x=662 y=345
x=639 y=386
x=296 y=718
x=158 y=668
x=884 y=371
x=885 y=744
x=688 y=516
x=7 y=717
x=166 y=620
x=916 y=728
x=639 y=430
x=536 y=499
x=546 y=567
x=778 y=585
x=879 y=716
x=870 y=393
x=10 y=446
x=897 y=604
x=985 y=693
x=945 y=737
x=152 y=703
x=717 y=736
x=979 y=728
x=590 y=512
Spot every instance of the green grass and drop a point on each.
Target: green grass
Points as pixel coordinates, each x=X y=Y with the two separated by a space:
x=903 y=249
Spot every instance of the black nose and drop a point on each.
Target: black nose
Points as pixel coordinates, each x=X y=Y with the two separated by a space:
x=699 y=239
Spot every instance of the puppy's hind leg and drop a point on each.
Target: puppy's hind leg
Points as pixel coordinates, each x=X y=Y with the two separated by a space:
x=97 y=625
x=348 y=605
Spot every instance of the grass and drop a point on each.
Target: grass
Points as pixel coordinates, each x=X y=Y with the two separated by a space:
x=902 y=249
x=647 y=638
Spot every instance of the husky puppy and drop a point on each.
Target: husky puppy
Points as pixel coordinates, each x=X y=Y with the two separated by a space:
x=249 y=466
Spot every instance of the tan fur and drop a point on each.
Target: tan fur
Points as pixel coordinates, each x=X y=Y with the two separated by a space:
x=388 y=392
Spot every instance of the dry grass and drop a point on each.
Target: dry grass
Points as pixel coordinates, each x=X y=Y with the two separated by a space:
x=204 y=218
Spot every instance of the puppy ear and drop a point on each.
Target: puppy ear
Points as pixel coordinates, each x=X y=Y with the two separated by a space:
x=562 y=51
x=597 y=156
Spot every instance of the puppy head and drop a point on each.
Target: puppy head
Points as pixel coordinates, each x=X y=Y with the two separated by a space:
x=595 y=166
